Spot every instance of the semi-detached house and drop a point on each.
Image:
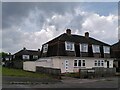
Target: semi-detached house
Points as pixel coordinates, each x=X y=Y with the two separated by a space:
x=70 y=53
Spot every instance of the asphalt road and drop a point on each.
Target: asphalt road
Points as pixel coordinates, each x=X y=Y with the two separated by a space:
x=66 y=82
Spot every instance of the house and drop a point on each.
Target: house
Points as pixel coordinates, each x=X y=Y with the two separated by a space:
x=23 y=55
x=27 y=55
x=6 y=58
x=115 y=53
x=70 y=53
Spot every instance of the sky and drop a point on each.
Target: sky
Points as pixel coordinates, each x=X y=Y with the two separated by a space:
x=31 y=24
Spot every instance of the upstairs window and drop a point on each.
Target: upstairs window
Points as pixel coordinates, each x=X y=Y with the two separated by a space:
x=45 y=48
x=35 y=56
x=84 y=47
x=69 y=46
x=106 y=49
x=26 y=57
x=96 y=48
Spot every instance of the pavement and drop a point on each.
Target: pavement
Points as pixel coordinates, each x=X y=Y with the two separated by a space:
x=65 y=82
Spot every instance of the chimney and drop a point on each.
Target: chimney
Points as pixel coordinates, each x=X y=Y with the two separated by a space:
x=38 y=49
x=87 y=34
x=24 y=48
x=68 y=31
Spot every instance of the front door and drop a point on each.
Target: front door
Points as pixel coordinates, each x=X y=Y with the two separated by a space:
x=66 y=65
x=107 y=64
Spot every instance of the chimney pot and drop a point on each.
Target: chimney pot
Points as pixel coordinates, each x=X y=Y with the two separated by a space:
x=87 y=34
x=38 y=49
x=68 y=31
x=24 y=48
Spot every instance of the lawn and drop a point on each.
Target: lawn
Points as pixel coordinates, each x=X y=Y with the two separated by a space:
x=22 y=73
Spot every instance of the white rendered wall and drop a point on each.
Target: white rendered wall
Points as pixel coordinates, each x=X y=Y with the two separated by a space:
x=59 y=62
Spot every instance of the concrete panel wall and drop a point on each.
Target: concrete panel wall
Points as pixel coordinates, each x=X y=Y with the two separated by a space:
x=29 y=66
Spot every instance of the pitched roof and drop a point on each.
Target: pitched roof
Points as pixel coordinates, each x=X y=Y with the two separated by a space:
x=116 y=46
x=28 y=52
x=77 y=39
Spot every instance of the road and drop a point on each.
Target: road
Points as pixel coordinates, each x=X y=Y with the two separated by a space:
x=66 y=82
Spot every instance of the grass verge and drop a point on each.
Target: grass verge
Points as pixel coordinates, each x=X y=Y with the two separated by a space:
x=22 y=73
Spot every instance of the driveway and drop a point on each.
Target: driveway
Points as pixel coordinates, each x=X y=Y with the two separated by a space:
x=66 y=82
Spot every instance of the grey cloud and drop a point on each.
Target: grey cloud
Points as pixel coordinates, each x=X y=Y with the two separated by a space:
x=15 y=12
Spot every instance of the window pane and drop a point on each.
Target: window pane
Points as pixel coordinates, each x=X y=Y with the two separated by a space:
x=99 y=63
x=83 y=62
x=102 y=63
x=106 y=49
x=95 y=63
x=79 y=63
x=45 y=48
x=84 y=47
x=25 y=57
x=69 y=46
x=96 y=48
x=75 y=62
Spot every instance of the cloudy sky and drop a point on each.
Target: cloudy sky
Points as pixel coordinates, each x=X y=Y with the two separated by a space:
x=30 y=24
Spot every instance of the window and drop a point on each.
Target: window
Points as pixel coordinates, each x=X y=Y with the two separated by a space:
x=102 y=63
x=75 y=62
x=106 y=49
x=83 y=47
x=96 y=48
x=25 y=57
x=95 y=63
x=69 y=46
x=35 y=56
x=45 y=48
x=79 y=63
x=99 y=63
x=83 y=62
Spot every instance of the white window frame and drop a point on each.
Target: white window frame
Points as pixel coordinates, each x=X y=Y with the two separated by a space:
x=35 y=56
x=83 y=47
x=45 y=48
x=96 y=48
x=25 y=57
x=83 y=63
x=99 y=63
x=106 y=49
x=69 y=44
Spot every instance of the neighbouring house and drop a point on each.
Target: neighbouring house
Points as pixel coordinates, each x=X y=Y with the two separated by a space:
x=70 y=53
x=6 y=58
x=115 y=53
x=24 y=55
x=27 y=55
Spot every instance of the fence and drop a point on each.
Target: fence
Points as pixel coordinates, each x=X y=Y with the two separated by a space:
x=51 y=71
x=97 y=72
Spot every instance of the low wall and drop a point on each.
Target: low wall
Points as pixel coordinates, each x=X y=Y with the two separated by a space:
x=52 y=71
x=97 y=72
